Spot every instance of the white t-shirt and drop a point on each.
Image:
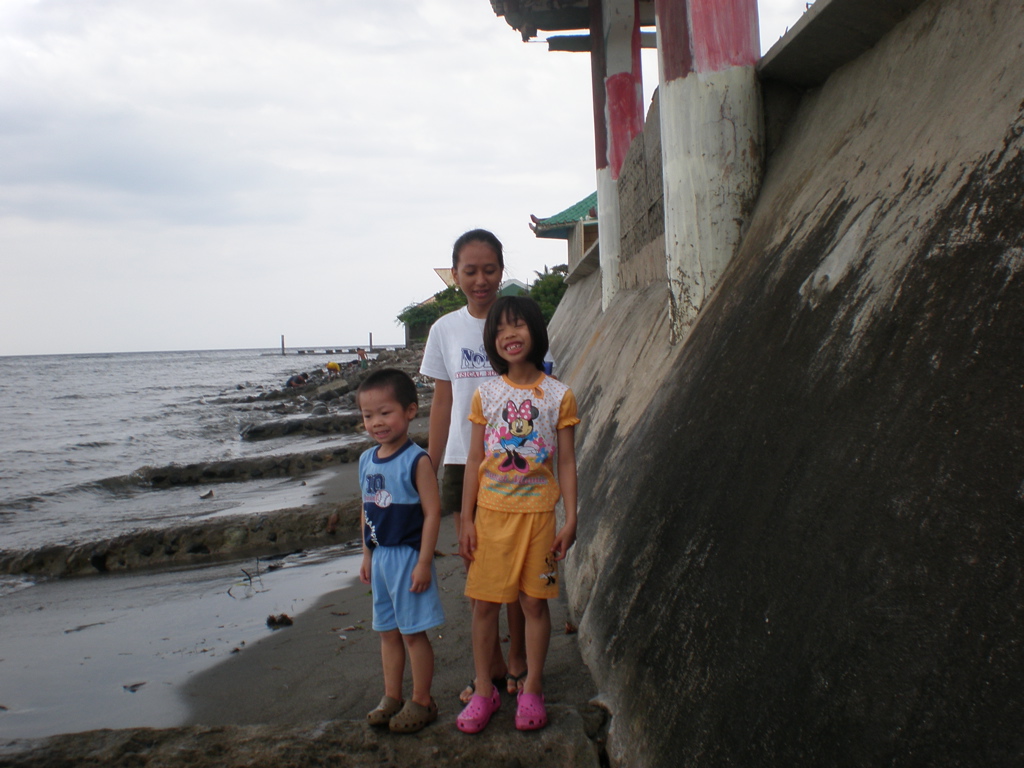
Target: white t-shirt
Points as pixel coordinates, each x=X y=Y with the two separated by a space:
x=455 y=353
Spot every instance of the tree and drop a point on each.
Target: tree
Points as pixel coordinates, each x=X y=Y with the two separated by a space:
x=419 y=317
x=548 y=289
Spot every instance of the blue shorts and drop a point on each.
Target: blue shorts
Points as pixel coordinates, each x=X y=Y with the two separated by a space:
x=394 y=606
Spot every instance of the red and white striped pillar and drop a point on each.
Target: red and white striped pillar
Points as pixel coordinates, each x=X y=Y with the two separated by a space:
x=711 y=141
x=618 y=118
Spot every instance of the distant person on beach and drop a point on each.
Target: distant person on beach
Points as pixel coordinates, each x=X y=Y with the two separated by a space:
x=298 y=380
x=455 y=358
x=363 y=361
x=523 y=428
x=401 y=519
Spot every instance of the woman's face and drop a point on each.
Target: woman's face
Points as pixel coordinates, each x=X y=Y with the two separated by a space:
x=478 y=276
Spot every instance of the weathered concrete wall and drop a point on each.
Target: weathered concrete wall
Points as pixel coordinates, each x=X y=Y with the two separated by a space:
x=800 y=533
x=641 y=198
x=642 y=209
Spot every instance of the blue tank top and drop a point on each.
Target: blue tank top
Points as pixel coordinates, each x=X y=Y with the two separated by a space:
x=391 y=504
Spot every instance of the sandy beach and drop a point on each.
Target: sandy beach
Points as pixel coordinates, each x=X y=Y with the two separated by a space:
x=206 y=660
x=327 y=665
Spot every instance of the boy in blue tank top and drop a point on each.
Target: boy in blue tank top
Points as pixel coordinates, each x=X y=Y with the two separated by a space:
x=401 y=518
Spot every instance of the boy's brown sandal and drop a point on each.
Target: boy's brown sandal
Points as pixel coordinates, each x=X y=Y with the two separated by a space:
x=414 y=717
x=386 y=710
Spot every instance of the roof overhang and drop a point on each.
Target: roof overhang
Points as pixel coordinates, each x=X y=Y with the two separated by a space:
x=562 y=224
x=529 y=17
x=582 y=44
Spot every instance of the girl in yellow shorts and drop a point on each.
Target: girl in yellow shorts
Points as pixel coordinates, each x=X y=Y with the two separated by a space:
x=523 y=429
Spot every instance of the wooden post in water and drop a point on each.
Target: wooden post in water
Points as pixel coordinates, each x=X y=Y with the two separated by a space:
x=371 y=341
x=282 y=343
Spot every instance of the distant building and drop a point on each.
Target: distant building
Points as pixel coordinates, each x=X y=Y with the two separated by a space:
x=577 y=225
x=513 y=287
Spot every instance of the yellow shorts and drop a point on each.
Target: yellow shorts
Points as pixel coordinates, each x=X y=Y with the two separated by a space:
x=513 y=555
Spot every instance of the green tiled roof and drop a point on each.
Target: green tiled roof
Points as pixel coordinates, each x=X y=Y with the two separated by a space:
x=558 y=226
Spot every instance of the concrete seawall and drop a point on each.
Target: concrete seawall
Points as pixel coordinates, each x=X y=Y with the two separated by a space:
x=800 y=528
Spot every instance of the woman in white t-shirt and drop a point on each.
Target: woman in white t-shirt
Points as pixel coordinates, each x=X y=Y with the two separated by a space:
x=455 y=358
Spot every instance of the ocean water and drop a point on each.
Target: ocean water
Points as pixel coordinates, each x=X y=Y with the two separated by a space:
x=74 y=429
x=114 y=651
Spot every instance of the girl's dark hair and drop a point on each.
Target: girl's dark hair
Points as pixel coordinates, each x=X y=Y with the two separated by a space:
x=514 y=309
x=482 y=235
x=402 y=387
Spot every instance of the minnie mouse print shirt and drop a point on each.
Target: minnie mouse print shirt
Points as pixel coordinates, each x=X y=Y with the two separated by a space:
x=521 y=426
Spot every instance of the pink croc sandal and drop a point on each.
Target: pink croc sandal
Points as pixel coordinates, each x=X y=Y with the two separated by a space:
x=477 y=714
x=531 y=714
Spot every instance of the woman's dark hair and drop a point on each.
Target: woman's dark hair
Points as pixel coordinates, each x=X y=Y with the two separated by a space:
x=514 y=309
x=402 y=388
x=477 y=235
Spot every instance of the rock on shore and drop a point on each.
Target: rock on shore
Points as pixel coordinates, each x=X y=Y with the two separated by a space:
x=570 y=741
x=263 y=535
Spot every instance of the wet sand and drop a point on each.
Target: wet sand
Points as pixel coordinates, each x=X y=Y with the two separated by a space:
x=191 y=645
x=114 y=651
x=327 y=666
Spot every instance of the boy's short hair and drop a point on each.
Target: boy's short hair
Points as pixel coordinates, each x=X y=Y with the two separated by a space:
x=516 y=308
x=399 y=382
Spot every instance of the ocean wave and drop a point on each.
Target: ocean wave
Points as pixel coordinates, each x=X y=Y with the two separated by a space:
x=120 y=483
x=213 y=471
x=116 y=486
x=23 y=504
x=12 y=584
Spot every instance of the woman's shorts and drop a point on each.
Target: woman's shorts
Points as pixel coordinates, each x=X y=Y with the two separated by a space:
x=451 y=488
x=394 y=606
x=513 y=555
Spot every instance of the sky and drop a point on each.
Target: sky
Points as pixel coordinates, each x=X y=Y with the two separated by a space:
x=214 y=174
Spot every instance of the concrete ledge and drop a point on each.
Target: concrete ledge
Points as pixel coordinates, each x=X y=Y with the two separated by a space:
x=590 y=262
x=830 y=34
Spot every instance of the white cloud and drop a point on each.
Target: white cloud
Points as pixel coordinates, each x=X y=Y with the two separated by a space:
x=213 y=173
x=776 y=17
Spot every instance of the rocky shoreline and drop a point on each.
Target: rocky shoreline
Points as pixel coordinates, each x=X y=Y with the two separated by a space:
x=265 y=534
x=298 y=696
x=326 y=403
x=572 y=740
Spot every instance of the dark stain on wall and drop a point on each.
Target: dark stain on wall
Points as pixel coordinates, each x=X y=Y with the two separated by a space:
x=821 y=562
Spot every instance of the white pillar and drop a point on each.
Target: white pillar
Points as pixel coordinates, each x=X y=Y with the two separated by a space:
x=712 y=142
x=610 y=234
x=623 y=119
